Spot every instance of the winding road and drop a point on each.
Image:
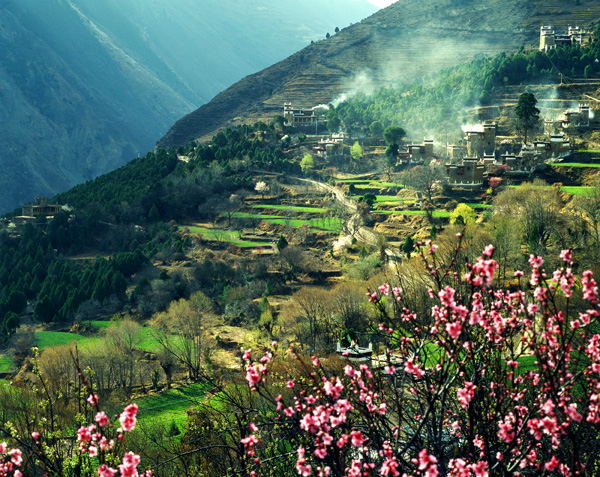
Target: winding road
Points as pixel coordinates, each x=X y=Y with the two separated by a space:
x=360 y=232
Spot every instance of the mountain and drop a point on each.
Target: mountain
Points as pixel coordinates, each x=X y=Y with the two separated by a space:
x=86 y=85
x=404 y=41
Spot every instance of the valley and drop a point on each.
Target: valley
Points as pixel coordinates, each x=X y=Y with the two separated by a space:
x=299 y=285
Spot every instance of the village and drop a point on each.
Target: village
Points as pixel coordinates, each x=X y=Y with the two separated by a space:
x=470 y=162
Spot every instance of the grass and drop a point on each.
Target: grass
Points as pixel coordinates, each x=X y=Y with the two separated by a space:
x=221 y=235
x=248 y=215
x=388 y=198
x=7 y=364
x=393 y=198
x=574 y=164
x=170 y=406
x=332 y=224
x=589 y=150
x=574 y=190
x=577 y=190
x=369 y=183
x=102 y=324
x=322 y=224
x=481 y=206
x=436 y=213
x=50 y=339
x=388 y=184
x=293 y=208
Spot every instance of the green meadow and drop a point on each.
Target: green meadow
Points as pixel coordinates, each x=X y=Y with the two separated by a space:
x=574 y=164
x=170 y=406
x=293 y=208
x=221 y=235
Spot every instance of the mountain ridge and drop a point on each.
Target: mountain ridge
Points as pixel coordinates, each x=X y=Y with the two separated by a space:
x=399 y=43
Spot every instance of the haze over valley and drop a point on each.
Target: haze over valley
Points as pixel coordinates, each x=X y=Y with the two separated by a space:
x=88 y=85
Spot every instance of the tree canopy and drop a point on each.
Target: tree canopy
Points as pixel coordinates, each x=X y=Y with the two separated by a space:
x=527 y=112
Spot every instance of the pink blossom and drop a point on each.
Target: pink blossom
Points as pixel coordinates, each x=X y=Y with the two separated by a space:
x=84 y=434
x=590 y=289
x=252 y=376
x=128 y=417
x=250 y=440
x=552 y=464
x=129 y=466
x=102 y=418
x=566 y=255
x=321 y=452
x=426 y=461
x=106 y=471
x=466 y=394
x=357 y=438
x=93 y=399
x=411 y=368
x=16 y=456
x=454 y=329
x=535 y=262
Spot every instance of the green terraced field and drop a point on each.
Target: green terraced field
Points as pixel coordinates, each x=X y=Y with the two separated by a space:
x=49 y=339
x=248 y=215
x=225 y=236
x=574 y=190
x=293 y=208
x=577 y=190
x=388 y=198
x=481 y=206
x=436 y=213
x=574 y=164
x=325 y=224
x=365 y=184
x=171 y=405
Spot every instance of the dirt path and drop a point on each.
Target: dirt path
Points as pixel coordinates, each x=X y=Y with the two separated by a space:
x=361 y=233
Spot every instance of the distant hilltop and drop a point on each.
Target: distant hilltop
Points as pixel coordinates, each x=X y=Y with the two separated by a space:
x=401 y=43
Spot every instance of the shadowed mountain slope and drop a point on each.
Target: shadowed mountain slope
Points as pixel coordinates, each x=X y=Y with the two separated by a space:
x=406 y=40
x=86 y=85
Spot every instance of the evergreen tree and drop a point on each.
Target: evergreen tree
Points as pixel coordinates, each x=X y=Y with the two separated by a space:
x=408 y=246
x=526 y=111
x=282 y=243
x=10 y=324
x=153 y=214
x=44 y=310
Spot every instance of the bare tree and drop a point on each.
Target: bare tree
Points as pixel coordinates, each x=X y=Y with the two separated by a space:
x=424 y=178
x=182 y=332
x=538 y=209
x=123 y=339
x=589 y=206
